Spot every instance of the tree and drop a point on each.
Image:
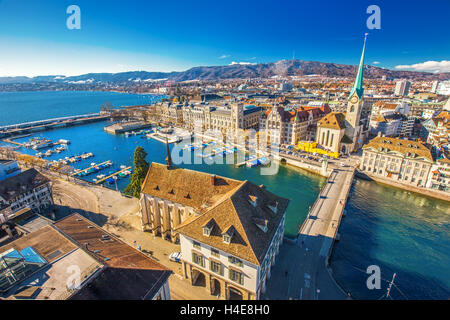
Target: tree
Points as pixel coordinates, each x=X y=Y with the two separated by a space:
x=140 y=171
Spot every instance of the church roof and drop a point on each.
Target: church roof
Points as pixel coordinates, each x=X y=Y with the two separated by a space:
x=333 y=120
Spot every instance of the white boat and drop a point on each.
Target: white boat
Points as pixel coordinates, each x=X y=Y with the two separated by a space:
x=93 y=164
x=123 y=166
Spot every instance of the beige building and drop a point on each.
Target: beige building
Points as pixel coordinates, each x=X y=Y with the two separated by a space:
x=403 y=161
x=331 y=133
x=221 y=117
x=229 y=230
x=440 y=175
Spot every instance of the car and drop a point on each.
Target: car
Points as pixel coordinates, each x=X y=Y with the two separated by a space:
x=175 y=256
x=343 y=164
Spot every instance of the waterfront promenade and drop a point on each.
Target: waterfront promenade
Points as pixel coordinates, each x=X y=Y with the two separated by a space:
x=301 y=270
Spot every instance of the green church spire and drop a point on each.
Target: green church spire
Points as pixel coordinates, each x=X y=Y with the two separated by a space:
x=358 y=86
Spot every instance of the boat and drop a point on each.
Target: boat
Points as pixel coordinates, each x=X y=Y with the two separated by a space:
x=101 y=176
x=252 y=163
x=264 y=161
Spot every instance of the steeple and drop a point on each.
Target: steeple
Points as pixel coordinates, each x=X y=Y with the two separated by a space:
x=358 y=86
x=169 y=157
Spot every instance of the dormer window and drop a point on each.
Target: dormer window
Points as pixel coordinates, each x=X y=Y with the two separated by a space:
x=227 y=235
x=253 y=200
x=207 y=228
x=261 y=223
x=156 y=188
x=171 y=191
x=273 y=206
x=226 y=238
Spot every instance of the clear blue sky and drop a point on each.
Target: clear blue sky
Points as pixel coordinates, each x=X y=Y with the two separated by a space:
x=176 y=35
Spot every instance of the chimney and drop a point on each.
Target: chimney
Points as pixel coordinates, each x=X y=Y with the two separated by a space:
x=213 y=179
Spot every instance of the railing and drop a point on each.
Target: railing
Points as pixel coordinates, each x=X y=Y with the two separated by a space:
x=42 y=122
x=315 y=202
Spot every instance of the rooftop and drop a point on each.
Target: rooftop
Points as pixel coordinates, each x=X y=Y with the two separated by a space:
x=404 y=147
x=130 y=274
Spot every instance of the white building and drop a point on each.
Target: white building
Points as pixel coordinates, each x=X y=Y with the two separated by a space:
x=443 y=88
x=402 y=88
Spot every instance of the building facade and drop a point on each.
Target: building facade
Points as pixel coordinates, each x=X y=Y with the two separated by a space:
x=289 y=126
x=404 y=161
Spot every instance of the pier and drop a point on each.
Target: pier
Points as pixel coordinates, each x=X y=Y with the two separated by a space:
x=42 y=125
x=112 y=175
x=83 y=170
x=305 y=259
x=245 y=162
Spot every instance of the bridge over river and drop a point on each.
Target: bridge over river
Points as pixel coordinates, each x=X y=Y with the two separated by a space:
x=301 y=270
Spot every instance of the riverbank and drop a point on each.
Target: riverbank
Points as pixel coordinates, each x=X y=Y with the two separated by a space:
x=437 y=194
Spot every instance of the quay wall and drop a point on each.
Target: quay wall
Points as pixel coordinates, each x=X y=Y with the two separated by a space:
x=437 y=194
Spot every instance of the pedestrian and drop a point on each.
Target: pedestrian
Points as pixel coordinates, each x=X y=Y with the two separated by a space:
x=286 y=273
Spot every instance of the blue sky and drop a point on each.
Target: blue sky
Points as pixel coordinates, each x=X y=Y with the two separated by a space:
x=175 y=35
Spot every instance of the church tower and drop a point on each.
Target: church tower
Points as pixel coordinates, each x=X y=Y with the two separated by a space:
x=355 y=104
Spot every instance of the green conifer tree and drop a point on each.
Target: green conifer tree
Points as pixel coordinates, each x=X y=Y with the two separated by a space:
x=140 y=171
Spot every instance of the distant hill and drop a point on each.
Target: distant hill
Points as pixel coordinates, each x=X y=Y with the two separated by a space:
x=236 y=71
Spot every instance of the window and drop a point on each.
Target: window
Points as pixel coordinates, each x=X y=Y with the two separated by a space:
x=215 y=267
x=226 y=238
x=206 y=231
x=235 y=261
x=198 y=259
x=236 y=276
x=215 y=253
x=196 y=245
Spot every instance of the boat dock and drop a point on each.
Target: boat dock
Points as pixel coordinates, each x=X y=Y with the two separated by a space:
x=247 y=161
x=112 y=175
x=84 y=170
x=160 y=138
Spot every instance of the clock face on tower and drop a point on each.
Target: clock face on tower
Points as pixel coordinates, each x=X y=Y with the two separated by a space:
x=354 y=99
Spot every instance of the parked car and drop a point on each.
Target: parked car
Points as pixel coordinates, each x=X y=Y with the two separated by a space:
x=343 y=164
x=175 y=256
